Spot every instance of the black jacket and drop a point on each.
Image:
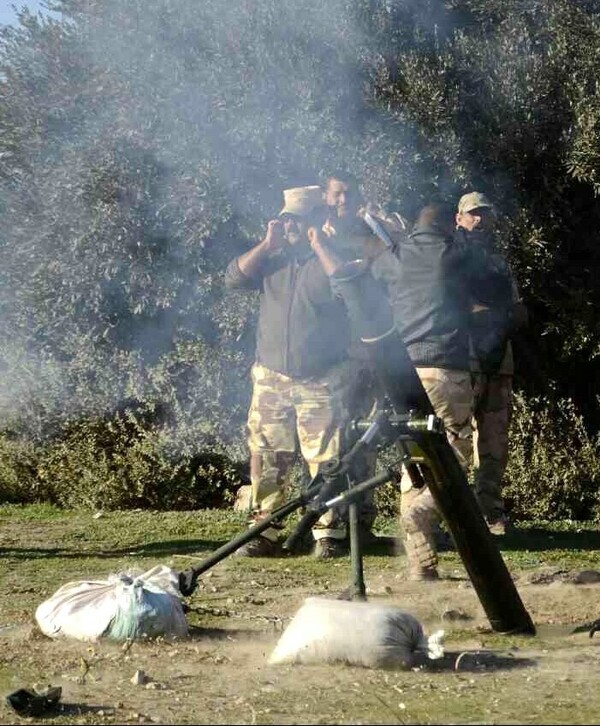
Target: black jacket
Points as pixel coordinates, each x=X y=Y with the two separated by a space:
x=491 y=279
x=493 y=297
x=429 y=292
x=303 y=329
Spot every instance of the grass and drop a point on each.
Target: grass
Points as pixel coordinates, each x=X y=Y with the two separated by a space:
x=501 y=679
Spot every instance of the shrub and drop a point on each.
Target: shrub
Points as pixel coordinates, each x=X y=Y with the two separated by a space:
x=125 y=460
x=19 y=480
x=554 y=464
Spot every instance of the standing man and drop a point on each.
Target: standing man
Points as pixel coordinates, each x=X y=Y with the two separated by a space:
x=429 y=291
x=302 y=374
x=345 y=226
x=343 y=199
x=345 y=204
x=495 y=308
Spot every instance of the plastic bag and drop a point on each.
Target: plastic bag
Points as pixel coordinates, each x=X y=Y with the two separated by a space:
x=356 y=633
x=125 y=606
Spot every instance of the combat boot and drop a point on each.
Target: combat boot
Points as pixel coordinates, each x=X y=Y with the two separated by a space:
x=421 y=555
x=259 y=547
x=328 y=548
x=419 y=522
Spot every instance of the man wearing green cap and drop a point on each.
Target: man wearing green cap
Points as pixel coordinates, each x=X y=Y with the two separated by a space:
x=494 y=312
x=302 y=374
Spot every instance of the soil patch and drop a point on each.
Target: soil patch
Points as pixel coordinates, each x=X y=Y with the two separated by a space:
x=221 y=674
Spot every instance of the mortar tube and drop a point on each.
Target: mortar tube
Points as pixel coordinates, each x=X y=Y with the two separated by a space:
x=333 y=473
x=370 y=313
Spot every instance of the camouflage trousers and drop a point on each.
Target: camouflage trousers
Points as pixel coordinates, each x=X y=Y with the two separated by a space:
x=492 y=416
x=288 y=415
x=451 y=395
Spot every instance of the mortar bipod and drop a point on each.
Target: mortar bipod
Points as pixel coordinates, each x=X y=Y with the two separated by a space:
x=426 y=452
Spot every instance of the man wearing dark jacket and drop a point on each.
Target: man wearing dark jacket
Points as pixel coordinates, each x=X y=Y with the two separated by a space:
x=495 y=309
x=302 y=375
x=429 y=290
x=346 y=229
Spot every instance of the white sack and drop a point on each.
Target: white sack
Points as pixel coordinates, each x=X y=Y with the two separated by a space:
x=125 y=606
x=357 y=633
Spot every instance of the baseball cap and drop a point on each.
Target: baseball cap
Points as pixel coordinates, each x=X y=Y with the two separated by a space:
x=473 y=200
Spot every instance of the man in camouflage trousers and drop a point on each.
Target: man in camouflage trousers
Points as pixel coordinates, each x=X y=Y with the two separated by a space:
x=496 y=309
x=302 y=375
x=428 y=284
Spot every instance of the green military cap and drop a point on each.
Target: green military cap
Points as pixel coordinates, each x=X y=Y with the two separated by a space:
x=473 y=200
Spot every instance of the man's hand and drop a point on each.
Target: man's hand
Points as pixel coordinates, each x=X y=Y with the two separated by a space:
x=314 y=237
x=250 y=263
x=329 y=260
x=275 y=238
x=329 y=227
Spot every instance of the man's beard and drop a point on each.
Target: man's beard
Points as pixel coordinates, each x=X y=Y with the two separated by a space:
x=480 y=235
x=298 y=246
x=294 y=238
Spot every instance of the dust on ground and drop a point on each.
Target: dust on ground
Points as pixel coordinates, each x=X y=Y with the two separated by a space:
x=221 y=675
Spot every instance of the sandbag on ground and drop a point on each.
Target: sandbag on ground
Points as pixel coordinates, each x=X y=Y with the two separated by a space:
x=126 y=606
x=356 y=633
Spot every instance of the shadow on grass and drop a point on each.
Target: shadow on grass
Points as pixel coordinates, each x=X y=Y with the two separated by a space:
x=536 y=540
x=381 y=546
x=384 y=546
x=170 y=547
x=472 y=661
x=533 y=540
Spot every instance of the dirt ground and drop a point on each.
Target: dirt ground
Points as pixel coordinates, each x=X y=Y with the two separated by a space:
x=220 y=675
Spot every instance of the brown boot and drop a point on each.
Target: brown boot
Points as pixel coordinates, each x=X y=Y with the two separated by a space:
x=259 y=547
x=423 y=574
x=327 y=548
x=421 y=556
x=419 y=520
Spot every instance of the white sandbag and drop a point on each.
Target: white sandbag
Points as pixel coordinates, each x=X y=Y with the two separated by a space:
x=125 y=606
x=357 y=633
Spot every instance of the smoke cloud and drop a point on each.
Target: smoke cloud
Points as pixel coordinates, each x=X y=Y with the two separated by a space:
x=144 y=145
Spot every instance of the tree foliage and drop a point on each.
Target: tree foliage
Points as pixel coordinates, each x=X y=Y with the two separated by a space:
x=143 y=145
